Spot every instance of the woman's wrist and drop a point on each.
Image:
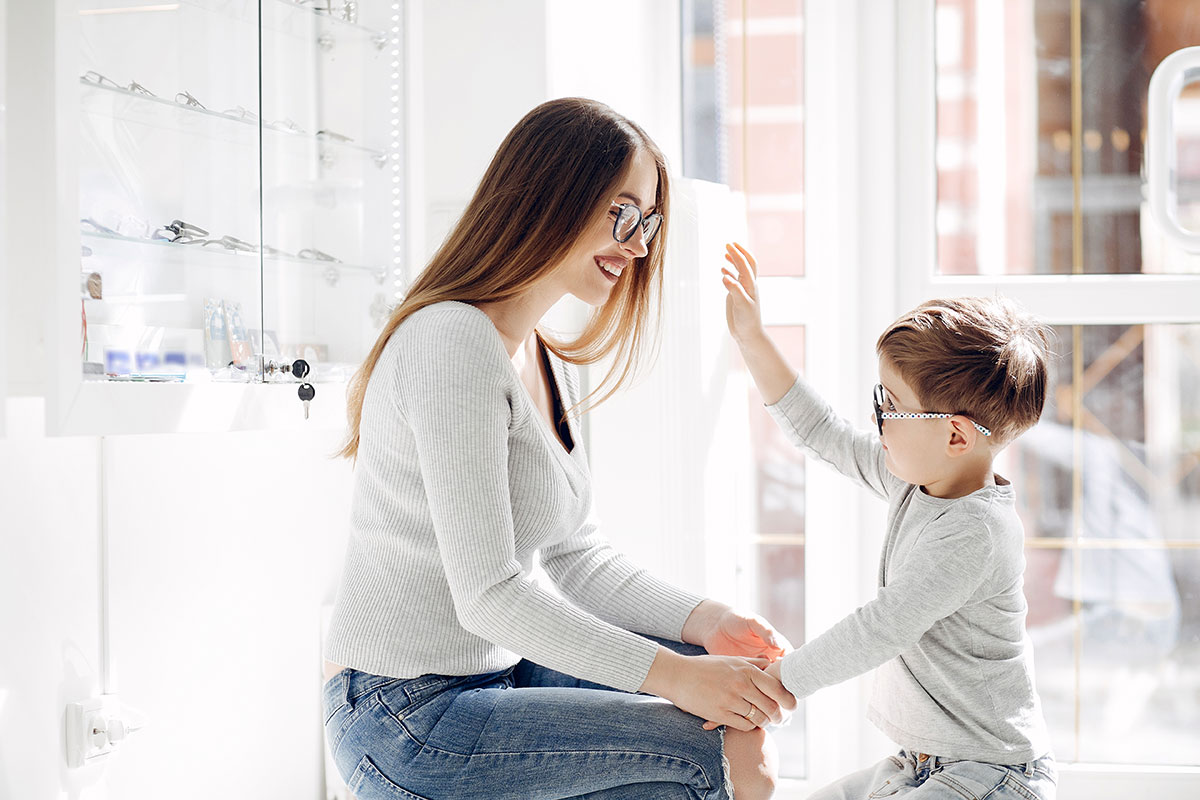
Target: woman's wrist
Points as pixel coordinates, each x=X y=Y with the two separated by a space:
x=663 y=673
x=702 y=621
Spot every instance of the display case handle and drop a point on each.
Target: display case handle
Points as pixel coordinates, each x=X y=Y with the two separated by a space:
x=1175 y=72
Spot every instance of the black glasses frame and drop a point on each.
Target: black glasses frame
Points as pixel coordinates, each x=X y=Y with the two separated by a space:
x=644 y=221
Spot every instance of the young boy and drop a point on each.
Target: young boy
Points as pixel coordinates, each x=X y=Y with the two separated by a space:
x=959 y=380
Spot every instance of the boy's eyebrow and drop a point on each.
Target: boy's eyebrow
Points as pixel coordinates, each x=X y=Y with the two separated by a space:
x=888 y=394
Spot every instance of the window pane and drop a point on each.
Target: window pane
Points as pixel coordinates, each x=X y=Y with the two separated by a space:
x=743 y=110
x=1138 y=697
x=778 y=575
x=1010 y=147
x=1109 y=498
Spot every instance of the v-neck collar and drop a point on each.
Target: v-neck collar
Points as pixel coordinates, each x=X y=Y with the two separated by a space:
x=551 y=436
x=557 y=406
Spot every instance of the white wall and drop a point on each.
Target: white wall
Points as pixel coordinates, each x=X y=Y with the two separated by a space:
x=4 y=312
x=49 y=607
x=483 y=68
x=484 y=65
x=221 y=551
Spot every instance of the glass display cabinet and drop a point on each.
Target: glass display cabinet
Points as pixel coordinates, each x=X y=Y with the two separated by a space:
x=241 y=196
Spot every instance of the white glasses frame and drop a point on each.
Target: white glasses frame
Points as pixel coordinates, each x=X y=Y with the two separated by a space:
x=880 y=415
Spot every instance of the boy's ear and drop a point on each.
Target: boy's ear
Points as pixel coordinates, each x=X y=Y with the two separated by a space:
x=963 y=436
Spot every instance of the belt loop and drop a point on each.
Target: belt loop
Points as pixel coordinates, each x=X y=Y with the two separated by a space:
x=1029 y=769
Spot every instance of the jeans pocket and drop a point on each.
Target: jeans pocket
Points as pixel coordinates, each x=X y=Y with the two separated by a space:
x=1039 y=785
x=368 y=783
x=973 y=779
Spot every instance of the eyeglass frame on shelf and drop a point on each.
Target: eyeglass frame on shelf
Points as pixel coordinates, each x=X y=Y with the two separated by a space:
x=233 y=243
x=184 y=232
x=314 y=254
x=103 y=80
x=880 y=394
x=189 y=100
x=241 y=112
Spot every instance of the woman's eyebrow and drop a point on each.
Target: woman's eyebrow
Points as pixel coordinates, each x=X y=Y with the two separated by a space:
x=637 y=201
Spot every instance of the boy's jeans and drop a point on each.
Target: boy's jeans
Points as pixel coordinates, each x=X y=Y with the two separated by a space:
x=916 y=775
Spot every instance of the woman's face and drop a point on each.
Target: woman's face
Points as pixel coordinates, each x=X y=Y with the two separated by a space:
x=598 y=262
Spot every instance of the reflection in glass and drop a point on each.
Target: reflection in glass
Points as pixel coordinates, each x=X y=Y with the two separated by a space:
x=150 y=158
x=743 y=116
x=779 y=566
x=781 y=600
x=1110 y=499
x=1027 y=184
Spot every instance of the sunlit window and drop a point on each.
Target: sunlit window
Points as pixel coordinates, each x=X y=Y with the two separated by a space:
x=743 y=109
x=1041 y=131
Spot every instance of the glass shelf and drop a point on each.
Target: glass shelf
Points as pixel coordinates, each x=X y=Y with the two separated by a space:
x=187 y=252
x=160 y=112
x=331 y=23
x=286 y=17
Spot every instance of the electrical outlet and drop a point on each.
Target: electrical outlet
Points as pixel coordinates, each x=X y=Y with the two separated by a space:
x=95 y=727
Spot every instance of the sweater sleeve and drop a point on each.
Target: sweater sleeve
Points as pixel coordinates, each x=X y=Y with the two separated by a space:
x=947 y=565
x=811 y=423
x=597 y=577
x=456 y=396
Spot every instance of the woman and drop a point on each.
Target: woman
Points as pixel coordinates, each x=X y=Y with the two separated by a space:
x=451 y=673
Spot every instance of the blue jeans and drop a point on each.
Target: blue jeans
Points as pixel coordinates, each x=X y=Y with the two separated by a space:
x=912 y=775
x=526 y=732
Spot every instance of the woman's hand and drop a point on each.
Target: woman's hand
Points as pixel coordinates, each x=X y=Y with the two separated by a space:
x=742 y=311
x=724 y=690
x=722 y=631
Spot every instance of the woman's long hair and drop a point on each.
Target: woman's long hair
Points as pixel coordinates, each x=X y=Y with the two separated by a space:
x=553 y=174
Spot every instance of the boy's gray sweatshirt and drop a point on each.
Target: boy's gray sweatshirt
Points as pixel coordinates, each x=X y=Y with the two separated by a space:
x=947 y=627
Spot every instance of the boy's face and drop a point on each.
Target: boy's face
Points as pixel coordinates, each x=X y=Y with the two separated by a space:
x=917 y=451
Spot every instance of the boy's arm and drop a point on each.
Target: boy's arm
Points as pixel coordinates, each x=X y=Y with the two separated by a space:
x=938 y=577
x=807 y=420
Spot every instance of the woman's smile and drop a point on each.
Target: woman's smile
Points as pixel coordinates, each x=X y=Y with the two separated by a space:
x=611 y=266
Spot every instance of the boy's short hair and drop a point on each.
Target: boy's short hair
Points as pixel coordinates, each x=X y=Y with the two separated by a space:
x=981 y=357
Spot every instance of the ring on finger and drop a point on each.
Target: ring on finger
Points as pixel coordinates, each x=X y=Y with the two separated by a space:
x=750 y=714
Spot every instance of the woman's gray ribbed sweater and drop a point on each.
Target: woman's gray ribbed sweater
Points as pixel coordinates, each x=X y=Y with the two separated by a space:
x=459 y=481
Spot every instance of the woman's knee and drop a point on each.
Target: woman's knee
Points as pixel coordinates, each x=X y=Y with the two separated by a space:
x=753 y=763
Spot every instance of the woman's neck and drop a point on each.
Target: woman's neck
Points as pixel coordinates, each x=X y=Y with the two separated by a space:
x=516 y=319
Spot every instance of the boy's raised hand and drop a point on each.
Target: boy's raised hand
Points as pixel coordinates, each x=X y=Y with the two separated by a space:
x=772 y=374
x=742 y=312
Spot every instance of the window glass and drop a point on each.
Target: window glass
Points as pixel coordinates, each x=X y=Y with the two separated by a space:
x=1041 y=135
x=743 y=124
x=743 y=116
x=778 y=576
x=1109 y=491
